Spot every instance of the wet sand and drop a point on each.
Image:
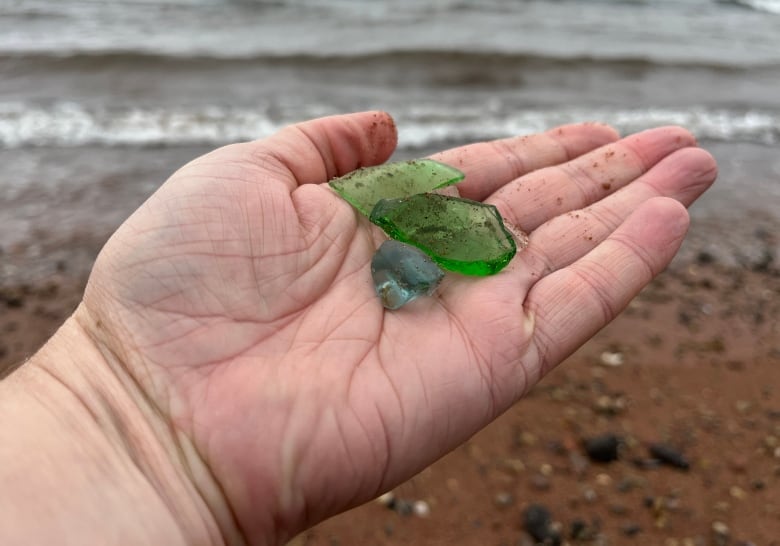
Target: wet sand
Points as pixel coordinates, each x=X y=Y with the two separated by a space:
x=700 y=350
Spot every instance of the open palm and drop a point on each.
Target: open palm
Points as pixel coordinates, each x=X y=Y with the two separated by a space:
x=239 y=298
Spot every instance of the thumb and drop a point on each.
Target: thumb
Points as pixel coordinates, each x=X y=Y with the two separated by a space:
x=318 y=150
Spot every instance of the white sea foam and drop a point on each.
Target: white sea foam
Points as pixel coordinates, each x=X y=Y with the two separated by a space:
x=769 y=6
x=69 y=124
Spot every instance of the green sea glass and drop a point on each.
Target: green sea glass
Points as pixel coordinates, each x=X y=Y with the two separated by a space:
x=459 y=234
x=365 y=187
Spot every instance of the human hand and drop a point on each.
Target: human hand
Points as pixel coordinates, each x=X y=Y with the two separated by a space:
x=238 y=305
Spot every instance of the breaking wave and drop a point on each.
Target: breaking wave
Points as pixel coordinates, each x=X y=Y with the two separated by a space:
x=768 y=6
x=69 y=124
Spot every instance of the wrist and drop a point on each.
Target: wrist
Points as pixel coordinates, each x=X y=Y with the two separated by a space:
x=98 y=457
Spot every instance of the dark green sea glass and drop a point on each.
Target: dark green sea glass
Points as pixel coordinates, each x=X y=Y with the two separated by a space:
x=364 y=188
x=460 y=235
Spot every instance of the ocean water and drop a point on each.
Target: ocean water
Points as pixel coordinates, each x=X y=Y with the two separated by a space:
x=100 y=100
x=141 y=72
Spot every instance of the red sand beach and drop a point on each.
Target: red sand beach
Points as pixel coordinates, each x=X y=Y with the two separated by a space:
x=700 y=349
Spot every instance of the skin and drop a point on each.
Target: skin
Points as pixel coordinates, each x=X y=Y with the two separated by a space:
x=230 y=376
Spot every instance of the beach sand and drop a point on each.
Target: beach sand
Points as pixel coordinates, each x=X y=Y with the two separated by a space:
x=698 y=351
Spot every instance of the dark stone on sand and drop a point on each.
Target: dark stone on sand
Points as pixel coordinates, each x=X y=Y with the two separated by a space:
x=631 y=529
x=704 y=258
x=602 y=449
x=13 y=298
x=404 y=508
x=669 y=456
x=684 y=318
x=578 y=529
x=618 y=509
x=49 y=290
x=758 y=484
x=537 y=521
x=400 y=506
x=581 y=531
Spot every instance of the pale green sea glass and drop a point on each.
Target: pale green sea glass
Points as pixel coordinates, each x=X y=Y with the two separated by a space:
x=459 y=234
x=364 y=187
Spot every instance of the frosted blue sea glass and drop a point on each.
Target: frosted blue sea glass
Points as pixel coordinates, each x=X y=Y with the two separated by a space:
x=402 y=273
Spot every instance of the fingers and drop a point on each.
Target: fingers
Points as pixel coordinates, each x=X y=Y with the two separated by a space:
x=490 y=165
x=684 y=175
x=318 y=150
x=571 y=304
x=534 y=199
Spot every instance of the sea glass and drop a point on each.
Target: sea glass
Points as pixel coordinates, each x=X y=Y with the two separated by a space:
x=459 y=234
x=402 y=273
x=364 y=187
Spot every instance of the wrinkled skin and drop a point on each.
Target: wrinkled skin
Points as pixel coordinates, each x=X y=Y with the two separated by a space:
x=239 y=301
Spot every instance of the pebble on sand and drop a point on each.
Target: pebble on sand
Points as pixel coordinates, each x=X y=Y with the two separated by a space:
x=669 y=456
x=612 y=359
x=602 y=449
x=537 y=521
